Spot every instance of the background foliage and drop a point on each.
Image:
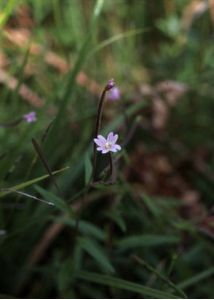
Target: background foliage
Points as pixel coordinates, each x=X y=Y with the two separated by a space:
x=149 y=234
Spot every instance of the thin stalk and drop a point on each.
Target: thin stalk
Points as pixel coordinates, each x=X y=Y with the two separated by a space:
x=97 y=128
x=109 y=86
x=111 y=165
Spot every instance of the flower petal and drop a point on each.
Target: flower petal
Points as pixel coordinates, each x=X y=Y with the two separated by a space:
x=115 y=138
x=105 y=151
x=117 y=147
x=110 y=137
x=114 y=94
x=99 y=142
x=99 y=148
x=101 y=138
x=113 y=149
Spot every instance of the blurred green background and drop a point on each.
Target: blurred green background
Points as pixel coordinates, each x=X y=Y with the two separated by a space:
x=150 y=234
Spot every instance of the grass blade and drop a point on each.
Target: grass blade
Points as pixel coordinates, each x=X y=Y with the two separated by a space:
x=197 y=278
x=124 y=285
x=29 y=182
x=146 y=241
x=50 y=197
x=44 y=161
x=162 y=277
x=94 y=249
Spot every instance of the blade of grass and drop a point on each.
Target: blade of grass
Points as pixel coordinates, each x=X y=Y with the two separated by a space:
x=195 y=279
x=85 y=228
x=118 y=37
x=58 y=202
x=96 y=251
x=28 y=196
x=5 y=13
x=162 y=277
x=71 y=79
x=146 y=240
x=45 y=163
x=123 y=284
x=30 y=182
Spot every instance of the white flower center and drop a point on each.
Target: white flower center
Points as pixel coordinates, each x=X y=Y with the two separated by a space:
x=107 y=145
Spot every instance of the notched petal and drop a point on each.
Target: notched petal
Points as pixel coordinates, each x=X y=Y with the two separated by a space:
x=110 y=137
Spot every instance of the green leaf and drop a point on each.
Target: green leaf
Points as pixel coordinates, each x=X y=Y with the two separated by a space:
x=95 y=250
x=57 y=201
x=197 y=278
x=29 y=183
x=124 y=284
x=5 y=13
x=146 y=241
x=115 y=215
x=118 y=37
x=151 y=205
x=71 y=77
x=84 y=227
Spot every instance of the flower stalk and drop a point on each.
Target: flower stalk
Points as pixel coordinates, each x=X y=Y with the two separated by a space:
x=108 y=87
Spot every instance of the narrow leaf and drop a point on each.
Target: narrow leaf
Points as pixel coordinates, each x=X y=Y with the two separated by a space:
x=84 y=227
x=44 y=161
x=28 y=183
x=197 y=278
x=57 y=201
x=95 y=250
x=124 y=285
x=146 y=241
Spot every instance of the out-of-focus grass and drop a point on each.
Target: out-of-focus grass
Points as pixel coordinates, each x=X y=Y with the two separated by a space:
x=160 y=208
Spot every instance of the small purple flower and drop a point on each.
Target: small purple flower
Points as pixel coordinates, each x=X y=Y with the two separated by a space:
x=107 y=145
x=114 y=94
x=30 y=117
x=110 y=85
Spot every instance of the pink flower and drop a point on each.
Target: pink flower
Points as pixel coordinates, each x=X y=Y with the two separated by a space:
x=110 y=85
x=107 y=145
x=114 y=94
x=30 y=117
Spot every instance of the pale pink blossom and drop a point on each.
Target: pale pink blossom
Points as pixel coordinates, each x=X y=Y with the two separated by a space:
x=114 y=94
x=30 y=117
x=107 y=145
